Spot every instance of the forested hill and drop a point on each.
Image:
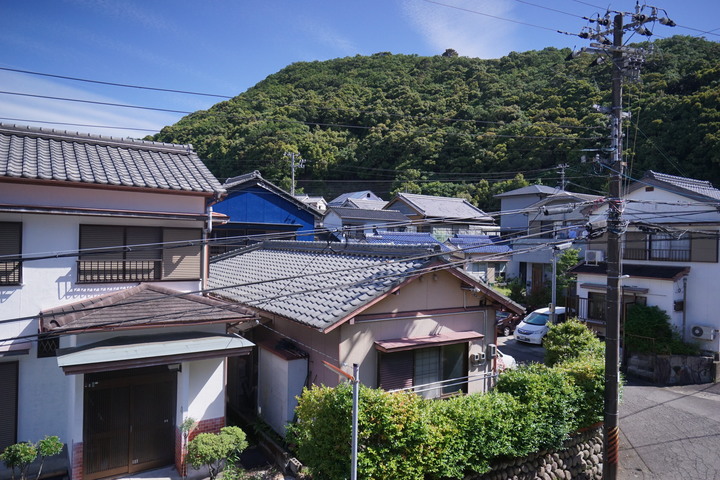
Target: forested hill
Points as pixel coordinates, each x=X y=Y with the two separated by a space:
x=452 y=125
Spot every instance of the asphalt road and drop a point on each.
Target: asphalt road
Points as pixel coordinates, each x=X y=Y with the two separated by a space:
x=666 y=433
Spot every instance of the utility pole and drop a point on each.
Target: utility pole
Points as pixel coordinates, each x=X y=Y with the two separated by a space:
x=562 y=168
x=300 y=164
x=626 y=61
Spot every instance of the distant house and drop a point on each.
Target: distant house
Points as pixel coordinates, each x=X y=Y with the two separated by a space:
x=442 y=216
x=514 y=205
x=257 y=209
x=354 y=223
x=533 y=216
x=340 y=200
x=364 y=203
x=316 y=202
x=486 y=255
x=670 y=256
x=103 y=342
x=400 y=313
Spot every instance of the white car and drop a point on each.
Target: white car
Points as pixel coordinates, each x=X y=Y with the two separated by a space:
x=505 y=362
x=533 y=327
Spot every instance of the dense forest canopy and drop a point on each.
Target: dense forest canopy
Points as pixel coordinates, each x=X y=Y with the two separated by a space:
x=458 y=126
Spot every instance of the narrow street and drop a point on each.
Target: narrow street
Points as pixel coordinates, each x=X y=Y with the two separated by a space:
x=666 y=433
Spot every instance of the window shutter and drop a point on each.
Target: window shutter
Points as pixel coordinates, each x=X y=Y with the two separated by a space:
x=181 y=262
x=99 y=236
x=8 y=403
x=143 y=236
x=704 y=248
x=635 y=247
x=10 y=238
x=396 y=370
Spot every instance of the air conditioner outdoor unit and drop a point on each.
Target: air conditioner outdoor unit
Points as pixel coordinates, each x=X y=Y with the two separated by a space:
x=593 y=256
x=702 y=332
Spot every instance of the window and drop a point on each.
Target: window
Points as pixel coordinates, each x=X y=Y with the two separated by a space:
x=695 y=247
x=112 y=253
x=47 y=346
x=8 y=403
x=10 y=245
x=664 y=246
x=429 y=370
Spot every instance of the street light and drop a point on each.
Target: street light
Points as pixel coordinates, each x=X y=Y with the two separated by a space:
x=555 y=249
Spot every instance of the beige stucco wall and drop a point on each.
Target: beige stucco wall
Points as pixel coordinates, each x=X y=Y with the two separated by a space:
x=429 y=293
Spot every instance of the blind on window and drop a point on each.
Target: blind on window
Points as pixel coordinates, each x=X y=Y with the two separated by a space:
x=181 y=262
x=100 y=236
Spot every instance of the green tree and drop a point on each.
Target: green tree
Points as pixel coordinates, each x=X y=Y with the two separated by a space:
x=570 y=340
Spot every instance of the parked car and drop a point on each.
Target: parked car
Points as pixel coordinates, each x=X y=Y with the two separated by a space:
x=505 y=362
x=505 y=322
x=534 y=327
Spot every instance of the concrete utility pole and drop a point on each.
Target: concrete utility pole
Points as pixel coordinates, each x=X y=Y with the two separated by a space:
x=300 y=164
x=626 y=61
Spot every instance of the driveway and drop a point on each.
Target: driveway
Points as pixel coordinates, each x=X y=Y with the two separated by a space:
x=666 y=433
x=670 y=433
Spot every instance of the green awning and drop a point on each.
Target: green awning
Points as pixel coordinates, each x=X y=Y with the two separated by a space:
x=150 y=350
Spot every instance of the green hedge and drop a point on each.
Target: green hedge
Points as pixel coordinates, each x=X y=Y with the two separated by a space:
x=403 y=436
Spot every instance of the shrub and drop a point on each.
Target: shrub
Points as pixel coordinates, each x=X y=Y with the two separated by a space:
x=569 y=340
x=20 y=455
x=588 y=376
x=214 y=450
x=550 y=396
x=648 y=330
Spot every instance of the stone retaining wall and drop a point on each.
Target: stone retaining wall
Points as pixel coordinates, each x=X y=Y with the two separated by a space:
x=672 y=369
x=581 y=458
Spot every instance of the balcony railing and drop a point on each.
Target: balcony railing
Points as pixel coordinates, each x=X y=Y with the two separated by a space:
x=659 y=254
x=10 y=273
x=109 y=271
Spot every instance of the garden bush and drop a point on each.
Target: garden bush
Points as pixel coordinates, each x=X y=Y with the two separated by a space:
x=550 y=396
x=569 y=340
x=216 y=450
x=19 y=456
x=648 y=330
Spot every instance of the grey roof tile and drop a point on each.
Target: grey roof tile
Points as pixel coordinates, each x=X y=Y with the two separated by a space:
x=683 y=185
x=441 y=207
x=366 y=214
x=328 y=281
x=36 y=153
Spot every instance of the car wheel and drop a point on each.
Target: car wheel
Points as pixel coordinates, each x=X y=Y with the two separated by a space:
x=506 y=331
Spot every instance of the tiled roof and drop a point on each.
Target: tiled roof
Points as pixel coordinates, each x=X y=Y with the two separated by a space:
x=363 y=194
x=406 y=238
x=478 y=244
x=323 y=282
x=364 y=203
x=364 y=214
x=140 y=306
x=41 y=154
x=441 y=207
x=684 y=185
x=666 y=272
x=530 y=190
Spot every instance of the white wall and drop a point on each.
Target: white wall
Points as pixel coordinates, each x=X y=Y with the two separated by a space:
x=277 y=392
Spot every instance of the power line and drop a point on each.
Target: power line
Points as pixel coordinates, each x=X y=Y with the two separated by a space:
x=113 y=84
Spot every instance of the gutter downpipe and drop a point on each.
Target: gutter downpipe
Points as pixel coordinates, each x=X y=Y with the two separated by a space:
x=684 y=313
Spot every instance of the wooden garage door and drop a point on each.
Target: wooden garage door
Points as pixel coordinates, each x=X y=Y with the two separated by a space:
x=129 y=421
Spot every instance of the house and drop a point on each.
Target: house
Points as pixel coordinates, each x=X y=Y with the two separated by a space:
x=403 y=314
x=105 y=341
x=514 y=205
x=486 y=256
x=443 y=216
x=316 y=202
x=558 y=216
x=257 y=209
x=365 y=195
x=669 y=256
x=354 y=223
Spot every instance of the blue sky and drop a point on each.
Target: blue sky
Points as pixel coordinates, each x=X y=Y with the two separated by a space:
x=226 y=46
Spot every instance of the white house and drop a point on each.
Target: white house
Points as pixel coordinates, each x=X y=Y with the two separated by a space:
x=102 y=340
x=670 y=256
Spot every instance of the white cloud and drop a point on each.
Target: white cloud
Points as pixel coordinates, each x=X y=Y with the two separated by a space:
x=87 y=118
x=461 y=25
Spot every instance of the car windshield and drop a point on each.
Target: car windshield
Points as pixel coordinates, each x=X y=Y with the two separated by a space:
x=501 y=315
x=537 y=318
